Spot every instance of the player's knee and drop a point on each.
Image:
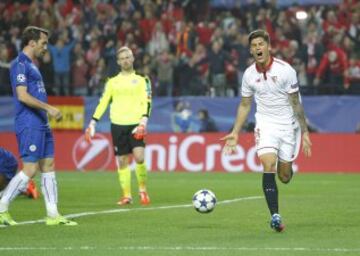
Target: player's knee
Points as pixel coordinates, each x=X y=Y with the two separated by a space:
x=284 y=178
x=139 y=160
x=269 y=167
x=284 y=173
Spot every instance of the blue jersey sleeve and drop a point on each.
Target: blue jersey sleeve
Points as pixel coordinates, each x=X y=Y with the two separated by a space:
x=18 y=74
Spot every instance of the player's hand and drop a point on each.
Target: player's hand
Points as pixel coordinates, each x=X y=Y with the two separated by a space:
x=230 y=143
x=139 y=131
x=55 y=113
x=90 y=131
x=306 y=144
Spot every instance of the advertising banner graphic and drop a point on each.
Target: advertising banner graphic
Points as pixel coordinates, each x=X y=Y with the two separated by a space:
x=73 y=112
x=169 y=152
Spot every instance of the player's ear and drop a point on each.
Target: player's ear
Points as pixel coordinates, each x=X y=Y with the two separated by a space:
x=32 y=43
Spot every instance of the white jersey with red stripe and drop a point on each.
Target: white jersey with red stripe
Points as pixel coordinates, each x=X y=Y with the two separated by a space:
x=271 y=88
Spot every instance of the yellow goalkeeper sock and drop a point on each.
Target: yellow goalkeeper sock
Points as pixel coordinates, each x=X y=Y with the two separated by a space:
x=141 y=175
x=125 y=181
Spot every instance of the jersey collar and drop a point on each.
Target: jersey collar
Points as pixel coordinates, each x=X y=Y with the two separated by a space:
x=23 y=56
x=266 y=69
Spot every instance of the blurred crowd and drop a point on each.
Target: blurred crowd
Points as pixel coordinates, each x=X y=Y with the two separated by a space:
x=186 y=47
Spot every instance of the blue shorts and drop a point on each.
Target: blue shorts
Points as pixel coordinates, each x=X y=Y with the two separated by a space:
x=35 y=145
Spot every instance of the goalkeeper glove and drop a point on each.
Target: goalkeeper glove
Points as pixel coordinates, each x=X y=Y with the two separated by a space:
x=90 y=131
x=139 y=131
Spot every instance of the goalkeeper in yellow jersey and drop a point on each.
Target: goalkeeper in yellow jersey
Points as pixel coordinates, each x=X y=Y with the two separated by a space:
x=129 y=97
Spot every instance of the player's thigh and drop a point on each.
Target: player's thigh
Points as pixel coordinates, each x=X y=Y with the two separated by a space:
x=30 y=144
x=31 y=147
x=120 y=137
x=267 y=140
x=290 y=144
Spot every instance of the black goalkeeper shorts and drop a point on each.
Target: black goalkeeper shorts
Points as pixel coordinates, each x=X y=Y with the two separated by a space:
x=123 y=139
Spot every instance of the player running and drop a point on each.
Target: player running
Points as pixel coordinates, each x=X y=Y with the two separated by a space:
x=280 y=119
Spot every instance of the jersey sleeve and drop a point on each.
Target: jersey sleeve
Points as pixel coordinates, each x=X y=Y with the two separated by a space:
x=291 y=82
x=103 y=102
x=246 y=90
x=147 y=98
x=18 y=74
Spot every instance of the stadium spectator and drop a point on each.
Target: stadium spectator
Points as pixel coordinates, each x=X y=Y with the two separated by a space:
x=79 y=74
x=5 y=89
x=47 y=71
x=206 y=123
x=34 y=137
x=217 y=59
x=333 y=71
x=164 y=65
x=129 y=112
x=60 y=54
x=312 y=52
x=354 y=31
x=182 y=119
x=279 y=118
x=109 y=54
x=158 y=42
x=134 y=23
x=354 y=75
x=97 y=78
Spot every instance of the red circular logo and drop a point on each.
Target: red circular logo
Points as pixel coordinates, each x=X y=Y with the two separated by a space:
x=96 y=155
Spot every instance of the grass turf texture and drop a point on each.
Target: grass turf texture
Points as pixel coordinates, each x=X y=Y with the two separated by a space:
x=321 y=213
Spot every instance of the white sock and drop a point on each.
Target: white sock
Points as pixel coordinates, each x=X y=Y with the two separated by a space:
x=49 y=190
x=16 y=185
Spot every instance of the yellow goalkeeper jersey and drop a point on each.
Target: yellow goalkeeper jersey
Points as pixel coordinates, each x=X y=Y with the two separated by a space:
x=129 y=97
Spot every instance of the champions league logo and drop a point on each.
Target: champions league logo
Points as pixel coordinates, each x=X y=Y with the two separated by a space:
x=96 y=155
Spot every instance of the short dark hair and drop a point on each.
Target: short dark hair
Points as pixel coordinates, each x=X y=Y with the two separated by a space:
x=32 y=33
x=259 y=33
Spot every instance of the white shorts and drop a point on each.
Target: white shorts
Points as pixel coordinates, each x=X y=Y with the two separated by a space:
x=284 y=141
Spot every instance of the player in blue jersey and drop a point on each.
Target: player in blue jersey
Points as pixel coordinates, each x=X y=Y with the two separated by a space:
x=8 y=169
x=34 y=137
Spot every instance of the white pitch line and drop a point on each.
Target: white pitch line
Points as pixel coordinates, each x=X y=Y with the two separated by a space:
x=181 y=248
x=82 y=214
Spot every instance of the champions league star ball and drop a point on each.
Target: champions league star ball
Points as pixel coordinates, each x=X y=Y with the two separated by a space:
x=204 y=201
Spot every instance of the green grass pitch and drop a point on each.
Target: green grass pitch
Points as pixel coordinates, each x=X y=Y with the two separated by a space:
x=321 y=213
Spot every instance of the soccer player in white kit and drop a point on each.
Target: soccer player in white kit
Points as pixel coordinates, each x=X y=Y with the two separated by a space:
x=280 y=119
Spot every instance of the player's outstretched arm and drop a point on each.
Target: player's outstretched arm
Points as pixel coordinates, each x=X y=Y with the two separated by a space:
x=30 y=101
x=232 y=138
x=300 y=115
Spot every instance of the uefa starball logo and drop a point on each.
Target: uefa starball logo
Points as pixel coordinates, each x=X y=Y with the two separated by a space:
x=96 y=155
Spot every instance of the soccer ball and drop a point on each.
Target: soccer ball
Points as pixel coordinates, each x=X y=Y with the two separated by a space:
x=204 y=201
